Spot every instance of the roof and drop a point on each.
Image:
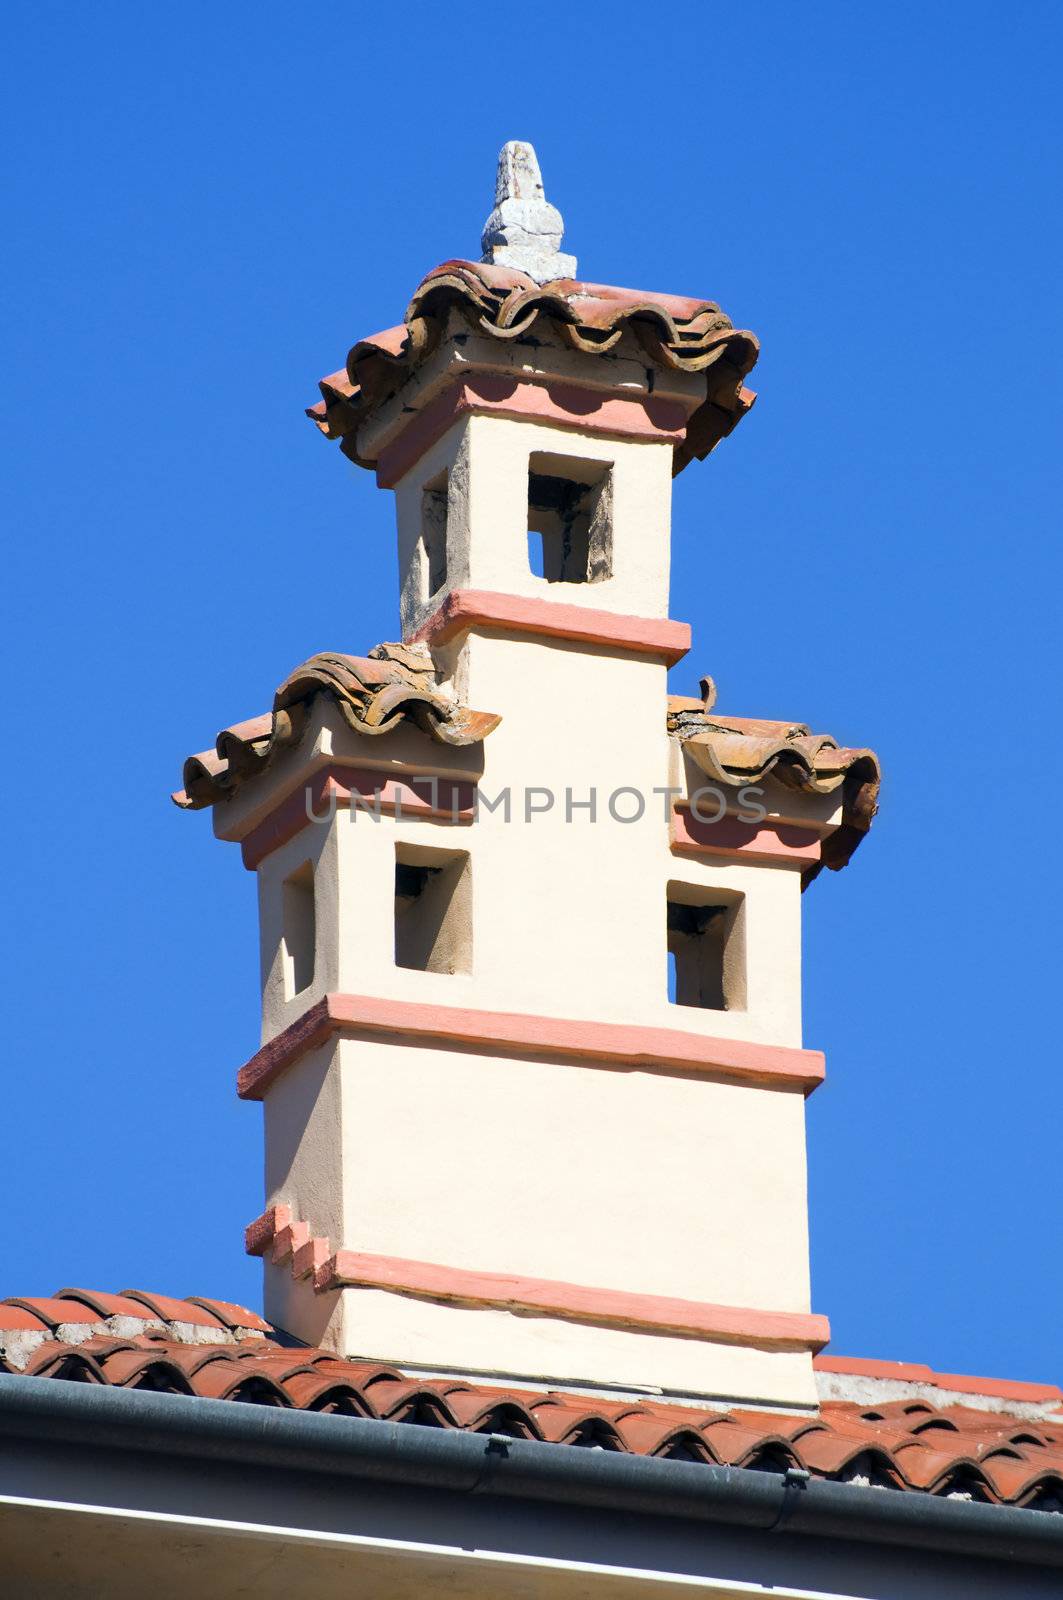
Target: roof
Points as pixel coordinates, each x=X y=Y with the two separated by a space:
x=674 y=332
x=375 y=693
x=210 y=1348
x=743 y=750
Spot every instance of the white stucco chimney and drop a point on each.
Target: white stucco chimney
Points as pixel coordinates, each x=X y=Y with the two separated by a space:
x=499 y=1137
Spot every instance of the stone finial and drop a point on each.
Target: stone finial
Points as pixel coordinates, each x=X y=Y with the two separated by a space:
x=524 y=230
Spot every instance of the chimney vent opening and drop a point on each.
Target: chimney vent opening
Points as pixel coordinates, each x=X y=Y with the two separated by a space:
x=433 y=909
x=299 y=930
x=434 y=498
x=706 y=948
x=570 y=519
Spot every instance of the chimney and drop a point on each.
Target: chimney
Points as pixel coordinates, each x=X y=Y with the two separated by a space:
x=531 y=1065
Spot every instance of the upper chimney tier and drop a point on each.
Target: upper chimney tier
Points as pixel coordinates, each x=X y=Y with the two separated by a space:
x=530 y=433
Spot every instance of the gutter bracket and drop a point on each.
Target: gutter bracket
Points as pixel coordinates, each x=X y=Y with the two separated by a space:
x=497 y=1447
x=794 y=1483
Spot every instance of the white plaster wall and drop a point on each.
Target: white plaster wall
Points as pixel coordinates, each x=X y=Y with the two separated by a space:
x=487 y=457
x=290 y=1303
x=304 y=1137
x=655 y=1183
x=375 y=1324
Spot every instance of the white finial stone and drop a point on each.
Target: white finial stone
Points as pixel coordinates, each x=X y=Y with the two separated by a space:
x=524 y=230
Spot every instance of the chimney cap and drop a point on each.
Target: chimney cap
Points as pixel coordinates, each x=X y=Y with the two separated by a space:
x=524 y=230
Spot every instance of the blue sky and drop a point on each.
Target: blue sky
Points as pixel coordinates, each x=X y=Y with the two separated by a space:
x=206 y=205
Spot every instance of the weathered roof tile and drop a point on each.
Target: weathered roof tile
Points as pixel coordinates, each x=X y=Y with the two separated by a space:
x=736 y=751
x=375 y=693
x=673 y=332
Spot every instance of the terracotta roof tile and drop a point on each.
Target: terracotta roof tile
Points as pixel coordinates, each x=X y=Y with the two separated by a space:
x=230 y=1315
x=101 y=1306
x=105 y=1346
x=643 y=1435
x=830 y=1452
x=223 y=1380
x=375 y=693
x=135 y=1368
x=735 y=751
x=739 y=1447
x=672 y=332
x=54 y=1359
x=53 y=1312
x=18 y=1318
x=909 y=1444
x=311 y=1391
x=921 y=1386
x=185 y=1359
x=170 y=1310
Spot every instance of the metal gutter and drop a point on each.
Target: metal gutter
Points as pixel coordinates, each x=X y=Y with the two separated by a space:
x=404 y=1454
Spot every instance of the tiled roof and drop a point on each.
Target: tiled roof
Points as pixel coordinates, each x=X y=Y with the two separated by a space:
x=71 y=1316
x=742 y=750
x=375 y=693
x=219 y=1351
x=856 y=1378
x=672 y=331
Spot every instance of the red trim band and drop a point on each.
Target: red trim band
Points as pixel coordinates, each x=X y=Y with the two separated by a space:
x=768 y=841
x=609 y=1043
x=662 y=638
x=566 y=405
x=412 y=795
x=547 y=1297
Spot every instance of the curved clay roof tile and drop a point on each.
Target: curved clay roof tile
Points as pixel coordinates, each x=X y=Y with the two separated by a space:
x=675 y=332
x=375 y=693
x=737 y=751
x=53 y=1359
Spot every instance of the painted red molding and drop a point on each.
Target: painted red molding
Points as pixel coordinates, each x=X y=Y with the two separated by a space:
x=569 y=1302
x=958 y=1383
x=573 y=1302
x=277 y=1235
x=753 y=841
x=662 y=638
x=311 y=1260
x=258 y=1235
x=608 y=1043
x=412 y=795
x=566 y=405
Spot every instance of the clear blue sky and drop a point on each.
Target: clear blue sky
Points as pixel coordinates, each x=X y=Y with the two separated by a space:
x=207 y=204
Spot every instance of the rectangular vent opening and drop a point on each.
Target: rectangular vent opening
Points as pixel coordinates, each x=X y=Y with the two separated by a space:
x=706 y=948
x=434 y=497
x=433 y=909
x=570 y=519
x=299 y=930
